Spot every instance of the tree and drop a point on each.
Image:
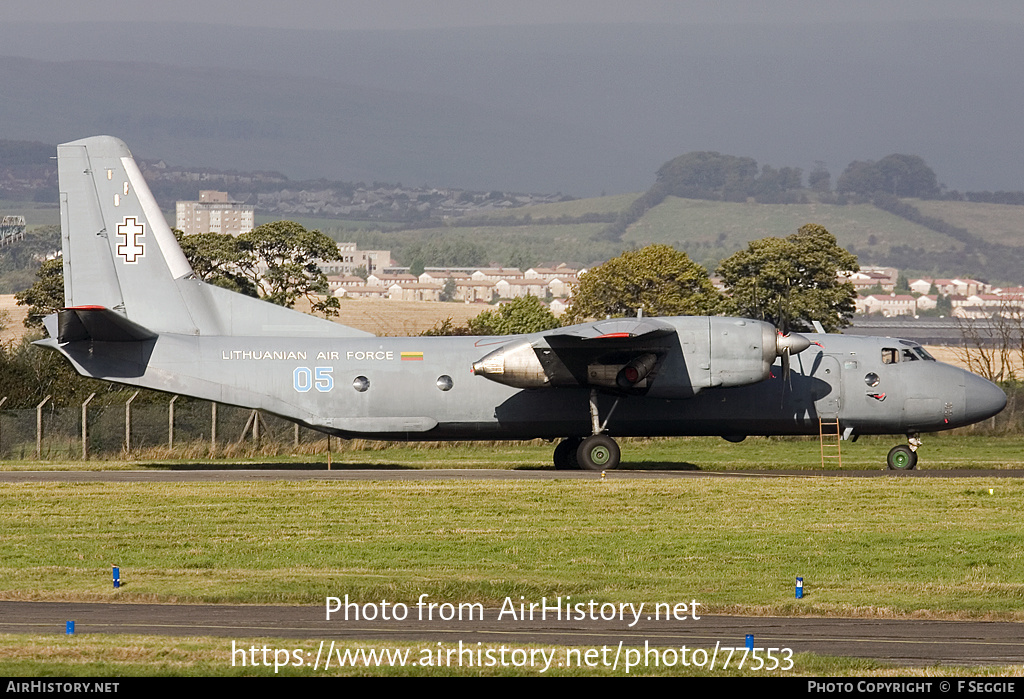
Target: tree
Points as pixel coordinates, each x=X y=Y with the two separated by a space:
x=792 y=281
x=220 y=259
x=898 y=175
x=820 y=180
x=708 y=175
x=287 y=258
x=658 y=279
x=449 y=290
x=46 y=295
x=907 y=176
x=525 y=314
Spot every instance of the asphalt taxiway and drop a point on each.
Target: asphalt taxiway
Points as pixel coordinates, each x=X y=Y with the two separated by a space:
x=915 y=642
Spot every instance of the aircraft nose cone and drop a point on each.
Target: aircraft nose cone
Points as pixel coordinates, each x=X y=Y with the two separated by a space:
x=984 y=398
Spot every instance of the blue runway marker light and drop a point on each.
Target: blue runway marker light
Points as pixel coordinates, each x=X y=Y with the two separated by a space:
x=117 y=577
x=69 y=628
x=750 y=641
x=799 y=588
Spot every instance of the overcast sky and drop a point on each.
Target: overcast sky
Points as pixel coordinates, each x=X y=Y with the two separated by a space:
x=415 y=14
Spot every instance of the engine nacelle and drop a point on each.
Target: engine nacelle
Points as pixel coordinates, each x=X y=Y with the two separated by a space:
x=717 y=352
x=666 y=358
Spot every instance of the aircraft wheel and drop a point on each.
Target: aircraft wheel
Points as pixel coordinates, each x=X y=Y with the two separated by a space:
x=598 y=453
x=565 y=454
x=901 y=458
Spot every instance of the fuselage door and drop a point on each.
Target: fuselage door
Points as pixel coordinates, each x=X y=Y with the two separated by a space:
x=826 y=380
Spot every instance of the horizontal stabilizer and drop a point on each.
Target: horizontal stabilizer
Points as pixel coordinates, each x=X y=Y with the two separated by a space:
x=98 y=324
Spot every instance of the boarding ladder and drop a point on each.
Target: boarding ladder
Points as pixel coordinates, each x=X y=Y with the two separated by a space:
x=831 y=440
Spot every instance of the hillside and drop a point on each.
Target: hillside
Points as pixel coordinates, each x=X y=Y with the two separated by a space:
x=996 y=223
x=707 y=230
x=712 y=230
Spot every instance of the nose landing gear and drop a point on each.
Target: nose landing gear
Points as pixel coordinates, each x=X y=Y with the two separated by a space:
x=903 y=457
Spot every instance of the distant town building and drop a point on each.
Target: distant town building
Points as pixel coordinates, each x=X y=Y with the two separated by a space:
x=890 y=305
x=214 y=213
x=471 y=284
x=870 y=277
x=352 y=258
x=12 y=228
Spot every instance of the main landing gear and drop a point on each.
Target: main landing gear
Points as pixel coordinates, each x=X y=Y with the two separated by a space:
x=597 y=452
x=903 y=457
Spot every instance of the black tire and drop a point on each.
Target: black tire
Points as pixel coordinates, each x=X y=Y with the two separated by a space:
x=598 y=453
x=565 y=454
x=901 y=458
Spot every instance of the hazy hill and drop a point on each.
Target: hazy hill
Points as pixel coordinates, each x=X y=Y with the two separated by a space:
x=577 y=109
x=710 y=231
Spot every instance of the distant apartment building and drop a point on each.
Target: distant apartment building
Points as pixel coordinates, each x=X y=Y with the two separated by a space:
x=352 y=258
x=214 y=213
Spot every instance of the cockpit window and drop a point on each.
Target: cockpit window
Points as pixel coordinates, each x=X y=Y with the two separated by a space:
x=909 y=356
x=918 y=351
x=890 y=355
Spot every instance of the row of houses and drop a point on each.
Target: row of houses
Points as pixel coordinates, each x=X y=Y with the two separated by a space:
x=1000 y=302
x=886 y=278
x=466 y=285
x=968 y=298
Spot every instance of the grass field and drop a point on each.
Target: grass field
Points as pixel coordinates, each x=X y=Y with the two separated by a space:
x=892 y=547
x=946 y=548
x=965 y=450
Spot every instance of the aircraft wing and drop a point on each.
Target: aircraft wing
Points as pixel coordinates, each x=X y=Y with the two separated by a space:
x=620 y=354
x=612 y=329
x=665 y=358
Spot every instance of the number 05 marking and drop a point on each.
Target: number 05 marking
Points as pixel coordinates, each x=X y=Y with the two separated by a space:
x=305 y=378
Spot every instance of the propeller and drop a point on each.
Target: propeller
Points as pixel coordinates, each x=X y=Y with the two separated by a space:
x=788 y=345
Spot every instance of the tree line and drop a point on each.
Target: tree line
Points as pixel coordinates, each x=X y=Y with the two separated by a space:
x=790 y=282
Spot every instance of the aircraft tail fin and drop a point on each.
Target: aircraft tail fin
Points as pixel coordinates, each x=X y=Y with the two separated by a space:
x=120 y=254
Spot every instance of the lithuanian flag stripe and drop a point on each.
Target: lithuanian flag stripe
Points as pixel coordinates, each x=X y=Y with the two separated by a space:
x=412 y=356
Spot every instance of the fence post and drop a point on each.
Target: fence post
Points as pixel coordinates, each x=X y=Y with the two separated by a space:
x=2 y=401
x=170 y=424
x=296 y=434
x=39 y=427
x=85 y=428
x=128 y=423
x=213 y=429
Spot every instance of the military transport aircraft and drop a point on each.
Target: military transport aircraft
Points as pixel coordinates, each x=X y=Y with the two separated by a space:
x=136 y=314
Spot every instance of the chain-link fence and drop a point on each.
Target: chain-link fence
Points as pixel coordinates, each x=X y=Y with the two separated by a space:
x=177 y=428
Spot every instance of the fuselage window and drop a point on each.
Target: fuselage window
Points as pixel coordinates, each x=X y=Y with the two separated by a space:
x=890 y=355
x=923 y=354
